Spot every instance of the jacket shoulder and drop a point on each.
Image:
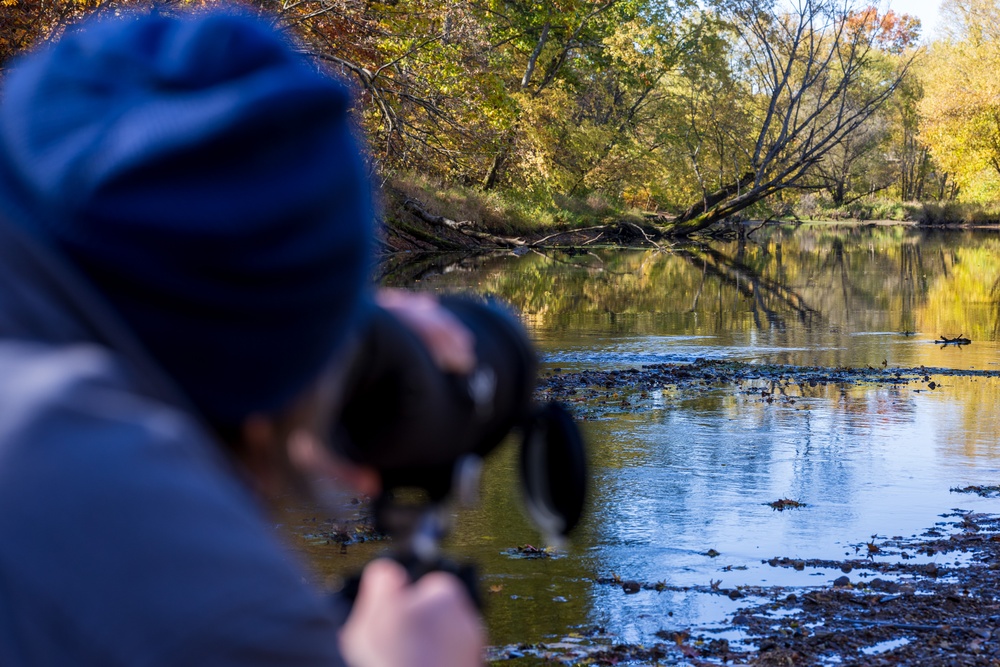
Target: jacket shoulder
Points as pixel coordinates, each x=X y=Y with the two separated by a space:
x=127 y=534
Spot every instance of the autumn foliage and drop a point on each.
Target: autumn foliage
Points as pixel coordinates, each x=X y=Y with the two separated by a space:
x=701 y=112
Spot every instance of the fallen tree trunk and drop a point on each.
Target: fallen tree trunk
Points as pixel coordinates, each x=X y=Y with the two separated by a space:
x=691 y=220
x=465 y=227
x=623 y=232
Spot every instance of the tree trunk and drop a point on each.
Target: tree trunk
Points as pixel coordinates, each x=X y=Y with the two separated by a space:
x=530 y=69
x=922 y=175
x=708 y=211
x=507 y=141
x=496 y=167
x=702 y=221
x=839 y=193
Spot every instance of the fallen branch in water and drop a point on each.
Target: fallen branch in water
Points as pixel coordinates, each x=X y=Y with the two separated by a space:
x=960 y=339
x=614 y=229
x=569 y=231
x=645 y=235
x=465 y=227
x=784 y=504
x=893 y=625
x=468 y=228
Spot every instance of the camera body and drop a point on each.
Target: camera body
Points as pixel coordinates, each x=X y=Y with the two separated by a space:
x=420 y=427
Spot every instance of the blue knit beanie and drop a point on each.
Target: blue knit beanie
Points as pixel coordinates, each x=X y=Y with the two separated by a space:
x=205 y=178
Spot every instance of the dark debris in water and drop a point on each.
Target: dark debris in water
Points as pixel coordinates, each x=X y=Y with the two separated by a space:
x=960 y=339
x=984 y=491
x=342 y=533
x=785 y=504
x=598 y=392
x=927 y=615
x=594 y=647
x=571 y=651
x=631 y=586
x=530 y=552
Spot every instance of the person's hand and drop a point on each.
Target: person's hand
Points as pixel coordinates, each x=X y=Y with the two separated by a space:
x=396 y=623
x=450 y=343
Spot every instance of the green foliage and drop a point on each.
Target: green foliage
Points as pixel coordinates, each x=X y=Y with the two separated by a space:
x=818 y=207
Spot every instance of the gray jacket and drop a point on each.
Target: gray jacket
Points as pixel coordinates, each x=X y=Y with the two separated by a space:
x=125 y=536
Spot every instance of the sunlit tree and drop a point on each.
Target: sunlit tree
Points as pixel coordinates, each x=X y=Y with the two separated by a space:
x=813 y=76
x=961 y=104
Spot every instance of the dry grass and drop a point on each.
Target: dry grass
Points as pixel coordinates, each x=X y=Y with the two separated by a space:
x=503 y=212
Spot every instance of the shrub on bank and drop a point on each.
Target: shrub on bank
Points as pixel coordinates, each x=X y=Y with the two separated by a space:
x=957 y=213
x=873 y=209
x=816 y=206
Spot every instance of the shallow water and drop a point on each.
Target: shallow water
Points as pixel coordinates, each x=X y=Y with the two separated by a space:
x=695 y=471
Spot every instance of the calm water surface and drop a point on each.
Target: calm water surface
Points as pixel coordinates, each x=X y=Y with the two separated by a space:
x=695 y=471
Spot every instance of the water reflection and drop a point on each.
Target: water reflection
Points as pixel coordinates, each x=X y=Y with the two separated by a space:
x=695 y=472
x=795 y=290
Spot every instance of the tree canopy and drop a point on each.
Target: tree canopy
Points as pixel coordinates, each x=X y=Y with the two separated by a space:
x=695 y=111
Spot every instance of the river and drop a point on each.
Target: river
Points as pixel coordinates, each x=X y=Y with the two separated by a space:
x=681 y=487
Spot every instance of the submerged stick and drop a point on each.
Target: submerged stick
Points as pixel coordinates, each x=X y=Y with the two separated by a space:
x=891 y=624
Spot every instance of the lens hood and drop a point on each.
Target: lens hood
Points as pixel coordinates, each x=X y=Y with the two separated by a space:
x=554 y=469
